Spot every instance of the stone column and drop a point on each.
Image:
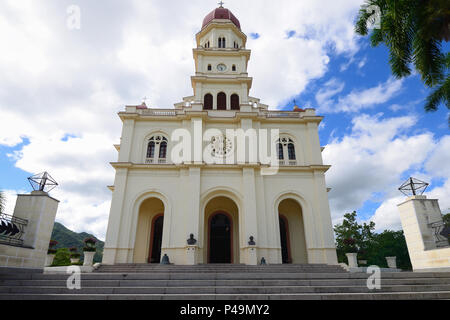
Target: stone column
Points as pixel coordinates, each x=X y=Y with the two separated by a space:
x=250 y=221
x=193 y=203
x=110 y=252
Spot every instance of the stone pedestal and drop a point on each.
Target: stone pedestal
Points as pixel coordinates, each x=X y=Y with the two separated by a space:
x=352 y=260
x=416 y=214
x=39 y=209
x=392 y=262
x=88 y=258
x=191 y=255
x=251 y=257
x=49 y=260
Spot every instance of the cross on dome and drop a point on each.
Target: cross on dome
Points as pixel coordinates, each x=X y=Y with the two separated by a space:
x=221 y=3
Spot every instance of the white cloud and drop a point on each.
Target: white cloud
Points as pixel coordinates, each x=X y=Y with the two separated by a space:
x=371 y=160
x=386 y=217
x=356 y=100
x=329 y=90
x=362 y=62
x=439 y=162
x=370 y=164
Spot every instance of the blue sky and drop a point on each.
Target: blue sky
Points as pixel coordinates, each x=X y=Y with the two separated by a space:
x=61 y=90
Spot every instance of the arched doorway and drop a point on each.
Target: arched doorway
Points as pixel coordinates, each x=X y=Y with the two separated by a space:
x=292 y=232
x=221 y=231
x=285 y=241
x=149 y=232
x=220 y=238
x=154 y=255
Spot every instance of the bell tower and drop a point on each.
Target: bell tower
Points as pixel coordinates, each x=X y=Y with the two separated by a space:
x=221 y=81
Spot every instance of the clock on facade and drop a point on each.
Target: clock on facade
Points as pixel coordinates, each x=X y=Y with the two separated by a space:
x=221 y=67
x=221 y=146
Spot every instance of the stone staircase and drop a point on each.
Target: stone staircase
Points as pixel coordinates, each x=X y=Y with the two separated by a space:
x=223 y=282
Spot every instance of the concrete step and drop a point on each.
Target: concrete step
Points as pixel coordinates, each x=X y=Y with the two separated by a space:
x=224 y=290
x=182 y=269
x=202 y=297
x=223 y=276
x=223 y=283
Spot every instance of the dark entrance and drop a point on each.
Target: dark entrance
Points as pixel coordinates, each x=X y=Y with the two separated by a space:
x=221 y=101
x=220 y=239
x=156 y=240
x=284 y=236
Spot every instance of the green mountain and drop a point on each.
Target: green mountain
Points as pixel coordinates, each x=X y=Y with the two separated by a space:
x=67 y=239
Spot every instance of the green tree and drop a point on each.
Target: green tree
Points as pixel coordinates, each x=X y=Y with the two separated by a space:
x=446 y=218
x=414 y=32
x=373 y=247
x=2 y=201
x=351 y=229
x=389 y=244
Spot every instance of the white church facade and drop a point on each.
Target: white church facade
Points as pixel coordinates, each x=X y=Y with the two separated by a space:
x=179 y=173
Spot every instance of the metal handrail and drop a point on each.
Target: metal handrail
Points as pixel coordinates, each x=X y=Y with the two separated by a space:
x=438 y=229
x=12 y=229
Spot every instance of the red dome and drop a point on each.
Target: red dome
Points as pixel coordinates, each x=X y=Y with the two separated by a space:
x=221 y=13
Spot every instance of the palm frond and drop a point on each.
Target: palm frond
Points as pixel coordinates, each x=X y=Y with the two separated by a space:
x=429 y=60
x=439 y=95
x=2 y=201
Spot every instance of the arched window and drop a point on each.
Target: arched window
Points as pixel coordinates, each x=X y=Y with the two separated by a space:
x=286 y=146
x=233 y=67
x=209 y=67
x=157 y=150
x=235 y=102
x=207 y=44
x=221 y=101
x=222 y=43
x=151 y=149
x=280 y=151
x=163 y=150
x=208 y=103
x=291 y=151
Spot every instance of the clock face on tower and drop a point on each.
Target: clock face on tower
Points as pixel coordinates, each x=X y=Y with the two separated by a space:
x=221 y=67
x=221 y=146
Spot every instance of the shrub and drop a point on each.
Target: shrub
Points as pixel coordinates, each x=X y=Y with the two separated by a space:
x=62 y=258
x=350 y=245
x=90 y=245
x=52 y=243
x=75 y=255
x=90 y=241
